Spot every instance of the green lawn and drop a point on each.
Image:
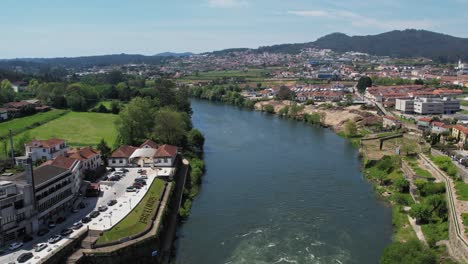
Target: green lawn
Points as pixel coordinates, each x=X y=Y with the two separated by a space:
x=18 y=125
x=462 y=190
x=413 y=163
x=464 y=103
x=79 y=129
x=250 y=74
x=138 y=219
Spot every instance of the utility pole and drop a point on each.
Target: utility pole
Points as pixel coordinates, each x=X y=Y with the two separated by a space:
x=12 y=148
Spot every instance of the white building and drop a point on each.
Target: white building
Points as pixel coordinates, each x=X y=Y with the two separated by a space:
x=89 y=157
x=3 y=114
x=462 y=68
x=46 y=149
x=404 y=105
x=120 y=157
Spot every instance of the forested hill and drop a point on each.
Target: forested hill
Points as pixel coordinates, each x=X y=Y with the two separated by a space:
x=401 y=44
x=407 y=43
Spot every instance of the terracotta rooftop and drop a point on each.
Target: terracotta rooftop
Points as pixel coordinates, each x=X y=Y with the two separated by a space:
x=45 y=143
x=149 y=143
x=166 y=151
x=124 y=151
x=83 y=153
x=61 y=162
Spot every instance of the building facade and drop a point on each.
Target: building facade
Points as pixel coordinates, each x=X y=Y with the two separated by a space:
x=46 y=149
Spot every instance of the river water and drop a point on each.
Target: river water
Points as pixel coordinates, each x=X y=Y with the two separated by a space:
x=279 y=191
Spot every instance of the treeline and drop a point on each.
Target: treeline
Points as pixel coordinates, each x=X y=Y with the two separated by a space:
x=230 y=95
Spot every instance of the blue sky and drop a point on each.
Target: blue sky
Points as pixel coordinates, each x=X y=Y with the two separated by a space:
x=57 y=28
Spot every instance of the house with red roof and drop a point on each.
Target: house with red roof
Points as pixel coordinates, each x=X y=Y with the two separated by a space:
x=165 y=156
x=460 y=133
x=439 y=128
x=120 y=157
x=90 y=158
x=46 y=149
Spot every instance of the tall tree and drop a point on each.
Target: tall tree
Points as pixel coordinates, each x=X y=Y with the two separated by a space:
x=136 y=121
x=363 y=83
x=284 y=93
x=105 y=150
x=171 y=127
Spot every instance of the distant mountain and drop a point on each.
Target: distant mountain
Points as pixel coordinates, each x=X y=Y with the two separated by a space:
x=404 y=44
x=174 y=54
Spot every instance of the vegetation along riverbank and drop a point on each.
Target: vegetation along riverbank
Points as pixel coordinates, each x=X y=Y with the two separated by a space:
x=419 y=207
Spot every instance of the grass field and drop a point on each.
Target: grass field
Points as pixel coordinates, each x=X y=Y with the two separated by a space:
x=77 y=128
x=20 y=124
x=134 y=223
x=462 y=190
x=250 y=74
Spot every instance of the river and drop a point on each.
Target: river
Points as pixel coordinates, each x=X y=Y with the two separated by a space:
x=279 y=191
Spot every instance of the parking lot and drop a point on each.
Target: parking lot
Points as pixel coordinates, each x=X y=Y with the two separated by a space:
x=110 y=190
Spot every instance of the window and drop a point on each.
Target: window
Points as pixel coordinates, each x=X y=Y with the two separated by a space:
x=120 y=161
x=2 y=192
x=43 y=150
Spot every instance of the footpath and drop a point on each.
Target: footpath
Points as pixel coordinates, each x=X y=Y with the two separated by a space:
x=458 y=244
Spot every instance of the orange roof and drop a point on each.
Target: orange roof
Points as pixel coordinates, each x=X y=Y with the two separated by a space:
x=461 y=128
x=425 y=119
x=45 y=143
x=150 y=143
x=166 y=151
x=83 y=153
x=61 y=162
x=124 y=151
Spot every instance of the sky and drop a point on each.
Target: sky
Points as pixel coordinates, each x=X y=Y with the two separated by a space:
x=68 y=28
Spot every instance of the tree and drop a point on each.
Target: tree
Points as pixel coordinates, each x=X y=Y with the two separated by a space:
x=409 y=146
x=195 y=140
x=115 y=77
x=411 y=252
x=363 y=83
x=421 y=212
x=350 y=128
x=115 y=107
x=104 y=149
x=7 y=94
x=284 y=93
x=419 y=82
x=136 y=121
x=20 y=142
x=269 y=109
x=401 y=184
x=170 y=127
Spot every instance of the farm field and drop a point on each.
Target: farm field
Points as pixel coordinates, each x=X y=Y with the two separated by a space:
x=18 y=125
x=77 y=128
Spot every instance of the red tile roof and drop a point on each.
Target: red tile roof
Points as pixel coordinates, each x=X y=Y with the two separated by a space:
x=461 y=128
x=166 y=151
x=45 y=143
x=425 y=119
x=61 y=162
x=123 y=152
x=83 y=153
x=150 y=143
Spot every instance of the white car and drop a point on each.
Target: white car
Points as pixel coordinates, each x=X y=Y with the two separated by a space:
x=143 y=177
x=77 y=225
x=39 y=247
x=15 y=246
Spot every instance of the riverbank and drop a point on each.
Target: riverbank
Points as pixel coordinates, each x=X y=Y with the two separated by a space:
x=372 y=159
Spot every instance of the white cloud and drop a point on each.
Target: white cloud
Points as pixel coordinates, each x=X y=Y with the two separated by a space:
x=310 y=13
x=358 y=20
x=227 y=3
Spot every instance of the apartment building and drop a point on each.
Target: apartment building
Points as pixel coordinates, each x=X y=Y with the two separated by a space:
x=428 y=106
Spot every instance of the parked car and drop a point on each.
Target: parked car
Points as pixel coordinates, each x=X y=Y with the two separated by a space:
x=42 y=232
x=86 y=219
x=94 y=214
x=27 y=238
x=51 y=224
x=111 y=202
x=77 y=225
x=131 y=189
x=143 y=177
x=54 y=239
x=137 y=185
x=39 y=247
x=105 y=178
x=102 y=208
x=139 y=170
x=66 y=232
x=140 y=181
x=15 y=246
x=24 y=257
x=61 y=219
